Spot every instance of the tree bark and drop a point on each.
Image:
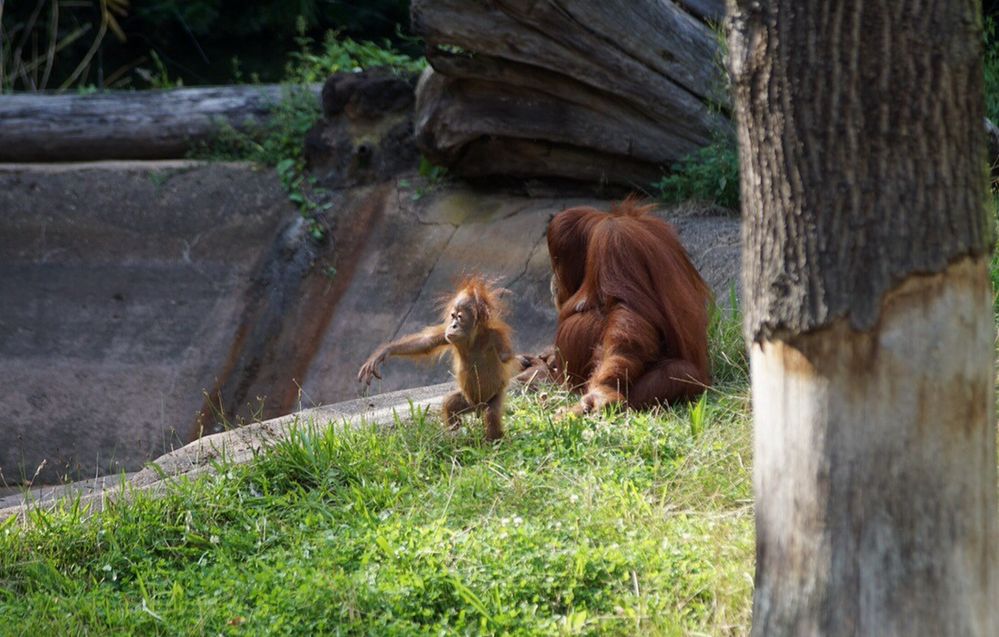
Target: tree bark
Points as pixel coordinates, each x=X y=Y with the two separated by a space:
x=623 y=82
x=708 y=10
x=127 y=124
x=869 y=316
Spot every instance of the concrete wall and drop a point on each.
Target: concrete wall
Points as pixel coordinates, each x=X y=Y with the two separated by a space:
x=121 y=286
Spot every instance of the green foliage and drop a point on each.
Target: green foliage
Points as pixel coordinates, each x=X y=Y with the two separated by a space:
x=305 y=195
x=282 y=137
x=993 y=202
x=338 y=53
x=720 y=97
x=280 y=141
x=433 y=174
x=991 y=60
x=161 y=78
x=45 y=35
x=107 y=43
x=623 y=524
x=710 y=174
x=432 y=177
x=279 y=137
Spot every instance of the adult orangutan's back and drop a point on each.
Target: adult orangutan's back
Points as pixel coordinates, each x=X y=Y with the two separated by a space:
x=633 y=322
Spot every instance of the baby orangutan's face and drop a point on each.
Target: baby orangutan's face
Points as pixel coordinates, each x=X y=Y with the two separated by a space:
x=461 y=321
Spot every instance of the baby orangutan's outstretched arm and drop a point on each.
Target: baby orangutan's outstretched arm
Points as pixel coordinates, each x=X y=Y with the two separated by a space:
x=422 y=343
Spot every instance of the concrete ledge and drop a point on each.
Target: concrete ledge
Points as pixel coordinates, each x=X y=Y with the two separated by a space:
x=237 y=446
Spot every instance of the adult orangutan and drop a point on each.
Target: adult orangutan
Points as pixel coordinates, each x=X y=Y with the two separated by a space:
x=632 y=309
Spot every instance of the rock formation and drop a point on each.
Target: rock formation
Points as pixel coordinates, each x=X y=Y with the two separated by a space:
x=366 y=133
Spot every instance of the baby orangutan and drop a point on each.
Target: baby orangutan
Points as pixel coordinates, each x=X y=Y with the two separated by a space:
x=478 y=339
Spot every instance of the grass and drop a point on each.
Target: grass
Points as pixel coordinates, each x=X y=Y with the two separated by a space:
x=630 y=523
x=622 y=524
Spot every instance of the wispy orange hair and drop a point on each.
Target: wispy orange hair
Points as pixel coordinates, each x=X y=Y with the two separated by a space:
x=486 y=296
x=632 y=206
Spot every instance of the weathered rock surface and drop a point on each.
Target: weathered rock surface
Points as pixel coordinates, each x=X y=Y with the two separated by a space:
x=419 y=248
x=121 y=286
x=590 y=90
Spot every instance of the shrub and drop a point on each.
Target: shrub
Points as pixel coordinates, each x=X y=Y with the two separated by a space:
x=280 y=141
x=991 y=70
x=339 y=53
x=710 y=174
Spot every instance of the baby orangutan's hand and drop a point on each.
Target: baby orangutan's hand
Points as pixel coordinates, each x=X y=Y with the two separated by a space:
x=369 y=369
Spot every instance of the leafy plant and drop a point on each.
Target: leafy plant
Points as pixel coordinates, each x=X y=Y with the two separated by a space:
x=280 y=141
x=710 y=174
x=304 y=194
x=338 y=53
x=433 y=176
x=991 y=67
x=432 y=173
x=161 y=78
x=279 y=137
x=993 y=203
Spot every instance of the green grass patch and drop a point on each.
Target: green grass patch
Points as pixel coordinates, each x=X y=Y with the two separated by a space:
x=628 y=523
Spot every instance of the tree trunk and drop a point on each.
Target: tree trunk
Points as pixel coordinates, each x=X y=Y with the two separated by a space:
x=126 y=124
x=869 y=316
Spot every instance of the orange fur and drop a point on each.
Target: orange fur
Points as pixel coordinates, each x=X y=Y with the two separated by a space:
x=632 y=307
x=482 y=360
